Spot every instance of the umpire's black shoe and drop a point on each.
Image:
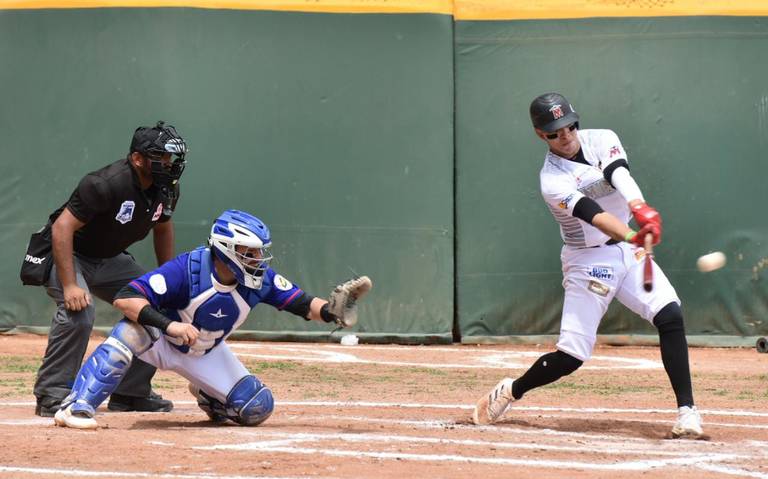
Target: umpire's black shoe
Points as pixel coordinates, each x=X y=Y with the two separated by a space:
x=46 y=411
x=153 y=403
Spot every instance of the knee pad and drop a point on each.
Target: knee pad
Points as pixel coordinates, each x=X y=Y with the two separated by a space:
x=669 y=319
x=568 y=363
x=249 y=403
x=133 y=336
x=102 y=372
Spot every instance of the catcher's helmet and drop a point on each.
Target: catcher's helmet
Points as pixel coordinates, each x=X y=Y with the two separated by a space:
x=237 y=228
x=153 y=143
x=551 y=111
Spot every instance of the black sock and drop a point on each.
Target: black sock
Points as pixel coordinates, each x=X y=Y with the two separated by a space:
x=547 y=369
x=674 y=352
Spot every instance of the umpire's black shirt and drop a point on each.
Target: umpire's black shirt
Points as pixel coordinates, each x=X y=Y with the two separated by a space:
x=115 y=210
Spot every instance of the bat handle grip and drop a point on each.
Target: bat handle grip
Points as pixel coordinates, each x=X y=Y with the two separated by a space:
x=648 y=267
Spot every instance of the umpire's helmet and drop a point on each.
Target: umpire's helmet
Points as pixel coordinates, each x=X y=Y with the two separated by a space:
x=551 y=111
x=153 y=143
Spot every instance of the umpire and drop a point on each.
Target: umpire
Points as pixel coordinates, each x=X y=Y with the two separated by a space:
x=110 y=209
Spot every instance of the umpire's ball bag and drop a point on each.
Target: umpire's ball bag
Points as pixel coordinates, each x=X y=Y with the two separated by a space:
x=38 y=260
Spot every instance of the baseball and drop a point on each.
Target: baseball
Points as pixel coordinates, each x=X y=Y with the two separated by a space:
x=710 y=262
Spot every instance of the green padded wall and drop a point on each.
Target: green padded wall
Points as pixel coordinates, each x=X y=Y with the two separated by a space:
x=689 y=99
x=334 y=129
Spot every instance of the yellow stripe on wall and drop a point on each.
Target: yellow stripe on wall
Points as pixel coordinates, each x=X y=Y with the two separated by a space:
x=559 y=9
x=461 y=9
x=329 y=6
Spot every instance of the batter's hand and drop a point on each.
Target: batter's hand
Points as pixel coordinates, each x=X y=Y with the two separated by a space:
x=654 y=230
x=184 y=331
x=644 y=214
x=76 y=298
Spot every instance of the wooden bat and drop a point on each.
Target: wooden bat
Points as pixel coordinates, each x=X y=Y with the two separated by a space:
x=648 y=268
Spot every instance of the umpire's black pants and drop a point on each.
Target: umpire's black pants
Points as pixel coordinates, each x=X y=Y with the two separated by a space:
x=70 y=330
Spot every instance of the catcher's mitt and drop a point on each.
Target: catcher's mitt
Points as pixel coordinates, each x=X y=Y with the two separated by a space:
x=343 y=300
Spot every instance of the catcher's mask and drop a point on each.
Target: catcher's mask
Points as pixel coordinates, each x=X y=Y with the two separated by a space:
x=154 y=143
x=242 y=242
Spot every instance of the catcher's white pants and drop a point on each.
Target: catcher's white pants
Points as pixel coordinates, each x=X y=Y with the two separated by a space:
x=216 y=373
x=592 y=277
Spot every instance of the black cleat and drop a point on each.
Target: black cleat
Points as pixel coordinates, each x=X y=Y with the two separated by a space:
x=46 y=411
x=153 y=403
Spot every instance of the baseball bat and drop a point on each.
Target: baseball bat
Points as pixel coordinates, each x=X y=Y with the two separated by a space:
x=648 y=268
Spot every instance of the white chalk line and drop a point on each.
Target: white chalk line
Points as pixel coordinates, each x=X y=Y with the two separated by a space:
x=732 y=471
x=466 y=407
x=81 y=473
x=494 y=360
x=682 y=458
x=589 y=410
x=620 y=466
x=615 y=447
x=282 y=446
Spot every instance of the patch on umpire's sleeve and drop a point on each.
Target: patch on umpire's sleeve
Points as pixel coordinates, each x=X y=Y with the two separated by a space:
x=598 y=288
x=157 y=282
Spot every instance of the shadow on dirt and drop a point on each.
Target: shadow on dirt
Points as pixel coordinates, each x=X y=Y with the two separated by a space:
x=632 y=428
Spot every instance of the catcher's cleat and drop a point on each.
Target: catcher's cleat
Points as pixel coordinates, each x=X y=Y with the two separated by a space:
x=688 y=425
x=76 y=416
x=491 y=406
x=209 y=405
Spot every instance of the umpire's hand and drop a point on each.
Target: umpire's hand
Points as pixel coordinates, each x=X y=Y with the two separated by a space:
x=76 y=298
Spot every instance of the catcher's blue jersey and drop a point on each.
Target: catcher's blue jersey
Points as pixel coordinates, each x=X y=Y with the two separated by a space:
x=187 y=291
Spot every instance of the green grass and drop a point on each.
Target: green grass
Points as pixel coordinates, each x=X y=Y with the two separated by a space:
x=16 y=387
x=602 y=389
x=265 y=365
x=18 y=364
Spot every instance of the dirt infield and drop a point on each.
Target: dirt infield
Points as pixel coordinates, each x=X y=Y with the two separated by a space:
x=402 y=412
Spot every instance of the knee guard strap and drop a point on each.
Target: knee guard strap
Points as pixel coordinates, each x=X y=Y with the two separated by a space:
x=250 y=402
x=102 y=372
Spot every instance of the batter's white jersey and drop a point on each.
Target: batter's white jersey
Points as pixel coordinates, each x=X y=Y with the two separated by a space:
x=565 y=182
x=593 y=272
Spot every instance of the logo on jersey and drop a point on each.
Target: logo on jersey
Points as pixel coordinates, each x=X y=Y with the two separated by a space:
x=157 y=282
x=281 y=283
x=564 y=204
x=126 y=212
x=639 y=254
x=601 y=272
x=218 y=314
x=614 y=151
x=598 y=288
x=557 y=111
x=158 y=212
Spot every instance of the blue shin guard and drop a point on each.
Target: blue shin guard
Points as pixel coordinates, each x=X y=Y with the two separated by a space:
x=104 y=369
x=249 y=403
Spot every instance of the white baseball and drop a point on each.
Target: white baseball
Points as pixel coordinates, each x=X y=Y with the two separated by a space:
x=710 y=262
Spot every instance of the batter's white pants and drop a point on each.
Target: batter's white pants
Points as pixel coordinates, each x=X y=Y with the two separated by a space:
x=592 y=277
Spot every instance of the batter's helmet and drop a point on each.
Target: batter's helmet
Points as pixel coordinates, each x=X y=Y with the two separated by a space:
x=551 y=111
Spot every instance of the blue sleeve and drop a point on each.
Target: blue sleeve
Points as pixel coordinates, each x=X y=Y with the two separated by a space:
x=166 y=287
x=281 y=291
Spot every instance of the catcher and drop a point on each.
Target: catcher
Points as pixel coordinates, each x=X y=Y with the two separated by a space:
x=178 y=317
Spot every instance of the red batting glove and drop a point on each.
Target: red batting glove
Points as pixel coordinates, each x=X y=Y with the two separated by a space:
x=653 y=229
x=644 y=214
